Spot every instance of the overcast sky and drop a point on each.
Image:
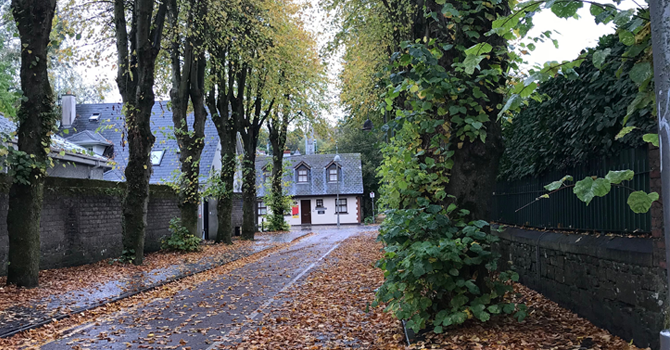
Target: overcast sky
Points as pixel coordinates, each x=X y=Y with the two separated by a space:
x=574 y=35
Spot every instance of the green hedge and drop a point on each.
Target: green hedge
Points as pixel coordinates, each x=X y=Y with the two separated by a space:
x=579 y=120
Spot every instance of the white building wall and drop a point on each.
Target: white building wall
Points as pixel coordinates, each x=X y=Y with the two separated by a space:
x=329 y=217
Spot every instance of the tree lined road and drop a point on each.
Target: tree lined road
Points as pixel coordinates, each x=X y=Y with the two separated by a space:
x=202 y=316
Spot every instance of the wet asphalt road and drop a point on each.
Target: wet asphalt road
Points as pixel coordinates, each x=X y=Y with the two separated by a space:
x=203 y=317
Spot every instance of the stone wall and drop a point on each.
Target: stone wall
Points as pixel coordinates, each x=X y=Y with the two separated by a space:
x=81 y=221
x=615 y=282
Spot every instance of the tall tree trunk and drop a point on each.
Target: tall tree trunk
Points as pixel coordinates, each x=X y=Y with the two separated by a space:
x=188 y=81
x=218 y=102
x=36 y=117
x=472 y=178
x=277 y=131
x=136 y=80
x=249 y=132
x=249 y=200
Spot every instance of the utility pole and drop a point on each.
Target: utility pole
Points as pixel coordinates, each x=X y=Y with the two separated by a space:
x=660 y=39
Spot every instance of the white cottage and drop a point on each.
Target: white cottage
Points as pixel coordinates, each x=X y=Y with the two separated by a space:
x=314 y=181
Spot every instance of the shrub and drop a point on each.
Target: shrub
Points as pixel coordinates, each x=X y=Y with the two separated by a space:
x=180 y=239
x=440 y=270
x=369 y=220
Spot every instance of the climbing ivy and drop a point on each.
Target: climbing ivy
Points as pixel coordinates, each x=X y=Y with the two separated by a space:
x=445 y=91
x=578 y=119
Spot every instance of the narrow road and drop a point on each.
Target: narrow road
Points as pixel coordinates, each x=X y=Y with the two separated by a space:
x=209 y=313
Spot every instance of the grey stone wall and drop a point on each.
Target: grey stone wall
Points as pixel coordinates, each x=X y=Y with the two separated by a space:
x=613 y=282
x=236 y=216
x=81 y=221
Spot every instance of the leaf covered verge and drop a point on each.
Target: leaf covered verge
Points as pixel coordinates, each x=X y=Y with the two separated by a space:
x=330 y=310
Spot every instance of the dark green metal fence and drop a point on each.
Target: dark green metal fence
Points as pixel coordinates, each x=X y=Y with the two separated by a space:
x=562 y=210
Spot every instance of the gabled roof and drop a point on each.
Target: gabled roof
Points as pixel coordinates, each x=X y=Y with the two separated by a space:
x=301 y=164
x=88 y=137
x=351 y=182
x=73 y=152
x=110 y=126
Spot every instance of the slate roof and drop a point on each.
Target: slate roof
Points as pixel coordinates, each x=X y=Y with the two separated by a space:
x=58 y=144
x=317 y=184
x=111 y=126
x=88 y=137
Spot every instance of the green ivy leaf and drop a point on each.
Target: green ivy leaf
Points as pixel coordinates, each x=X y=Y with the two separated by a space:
x=479 y=49
x=640 y=72
x=627 y=38
x=651 y=138
x=600 y=56
x=624 y=131
x=588 y=188
x=566 y=9
x=616 y=177
x=557 y=184
x=640 y=201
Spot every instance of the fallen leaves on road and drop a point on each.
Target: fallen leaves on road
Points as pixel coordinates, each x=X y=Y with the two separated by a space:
x=56 y=282
x=36 y=337
x=330 y=310
x=60 y=281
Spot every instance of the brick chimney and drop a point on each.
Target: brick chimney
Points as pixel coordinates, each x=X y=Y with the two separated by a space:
x=69 y=107
x=287 y=153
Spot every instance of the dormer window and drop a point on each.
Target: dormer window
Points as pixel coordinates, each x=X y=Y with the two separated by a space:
x=302 y=175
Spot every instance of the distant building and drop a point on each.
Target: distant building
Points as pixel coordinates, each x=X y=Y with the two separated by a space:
x=314 y=182
x=100 y=129
x=68 y=159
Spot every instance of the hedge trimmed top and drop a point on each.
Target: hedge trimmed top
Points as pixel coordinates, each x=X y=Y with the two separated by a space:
x=578 y=121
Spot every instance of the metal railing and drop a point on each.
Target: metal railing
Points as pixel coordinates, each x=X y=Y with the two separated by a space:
x=563 y=210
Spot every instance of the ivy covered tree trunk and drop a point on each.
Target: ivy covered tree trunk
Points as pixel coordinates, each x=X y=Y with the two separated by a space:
x=441 y=166
x=218 y=102
x=250 y=122
x=278 y=130
x=36 y=117
x=188 y=81
x=137 y=54
x=476 y=153
x=249 y=212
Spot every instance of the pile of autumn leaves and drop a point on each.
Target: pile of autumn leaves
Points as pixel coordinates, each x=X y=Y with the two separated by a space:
x=330 y=310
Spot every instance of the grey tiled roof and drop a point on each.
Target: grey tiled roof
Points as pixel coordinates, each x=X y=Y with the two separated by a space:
x=111 y=126
x=88 y=137
x=58 y=144
x=317 y=184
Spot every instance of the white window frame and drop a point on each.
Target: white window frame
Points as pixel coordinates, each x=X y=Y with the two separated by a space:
x=303 y=176
x=157 y=157
x=340 y=205
x=333 y=172
x=262 y=208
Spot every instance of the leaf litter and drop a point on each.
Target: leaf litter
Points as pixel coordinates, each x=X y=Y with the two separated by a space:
x=134 y=305
x=331 y=310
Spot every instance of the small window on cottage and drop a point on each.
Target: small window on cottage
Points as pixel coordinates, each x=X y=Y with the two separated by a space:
x=302 y=175
x=319 y=203
x=262 y=208
x=332 y=174
x=341 y=206
x=157 y=157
